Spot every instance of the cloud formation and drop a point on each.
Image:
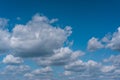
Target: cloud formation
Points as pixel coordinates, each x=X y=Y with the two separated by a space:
x=4 y=40
x=14 y=71
x=94 y=44
x=10 y=59
x=37 y=38
x=111 y=41
x=91 y=70
x=45 y=46
x=43 y=74
x=61 y=57
x=80 y=66
x=114 y=43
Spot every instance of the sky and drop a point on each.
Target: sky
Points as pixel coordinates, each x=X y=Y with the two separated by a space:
x=59 y=39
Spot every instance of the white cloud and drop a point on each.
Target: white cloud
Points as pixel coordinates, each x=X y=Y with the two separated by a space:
x=10 y=59
x=106 y=38
x=94 y=44
x=111 y=41
x=89 y=70
x=60 y=57
x=4 y=40
x=44 y=42
x=37 y=37
x=15 y=72
x=41 y=71
x=92 y=63
x=115 y=60
x=92 y=70
x=53 y=20
x=28 y=75
x=17 y=69
x=107 y=68
x=80 y=66
x=114 y=43
x=43 y=74
x=67 y=73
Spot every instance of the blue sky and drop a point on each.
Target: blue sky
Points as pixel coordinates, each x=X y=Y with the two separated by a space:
x=62 y=39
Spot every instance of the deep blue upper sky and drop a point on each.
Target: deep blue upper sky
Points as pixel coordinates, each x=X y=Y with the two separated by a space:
x=88 y=18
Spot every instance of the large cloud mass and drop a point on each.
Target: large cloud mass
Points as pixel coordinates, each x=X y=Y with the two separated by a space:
x=42 y=47
x=37 y=38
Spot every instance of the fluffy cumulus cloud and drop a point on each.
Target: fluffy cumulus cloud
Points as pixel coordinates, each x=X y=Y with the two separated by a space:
x=113 y=60
x=43 y=74
x=80 y=66
x=13 y=71
x=18 y=69
x=91 y=70
x=37 y=38
x=61 y=57
x=4 y=40
x=44 y=49
x=94 y=44
x=10 y=59
x=40 y=71
x=111 y=41
x=107 y=68
x=114 y=42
